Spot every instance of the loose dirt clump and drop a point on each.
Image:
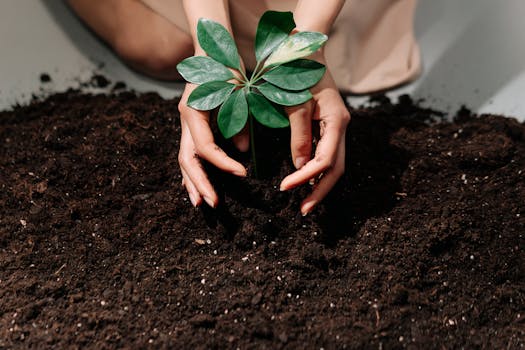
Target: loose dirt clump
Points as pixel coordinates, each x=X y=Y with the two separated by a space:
x=420 y=245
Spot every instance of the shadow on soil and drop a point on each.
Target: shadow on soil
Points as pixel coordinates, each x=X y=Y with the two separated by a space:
x=369 y=188
x=371 y=184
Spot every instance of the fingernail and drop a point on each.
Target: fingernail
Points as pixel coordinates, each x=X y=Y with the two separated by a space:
x=192 y=199
x=242 y=173
x=282 y=188
x=209 y=201
x=300 y=162
x=307 y=208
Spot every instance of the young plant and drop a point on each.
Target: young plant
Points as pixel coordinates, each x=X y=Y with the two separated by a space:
x=281 y=77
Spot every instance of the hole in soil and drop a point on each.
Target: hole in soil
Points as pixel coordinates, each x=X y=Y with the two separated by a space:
x=369 y=187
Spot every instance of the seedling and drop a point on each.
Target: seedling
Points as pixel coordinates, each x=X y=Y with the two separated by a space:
x=281 y=77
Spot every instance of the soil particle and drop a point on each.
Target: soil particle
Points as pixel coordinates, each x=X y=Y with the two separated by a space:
x=45 y=78
x=205 y=321
x=119 y=85
x=99 y=81
x=420 y=245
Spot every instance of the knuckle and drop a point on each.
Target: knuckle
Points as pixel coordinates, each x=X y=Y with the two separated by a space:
x=204 y=149
x=184 y=159
x=199 y=151
x=324 y=162
x=345 y=116
x=182 y=107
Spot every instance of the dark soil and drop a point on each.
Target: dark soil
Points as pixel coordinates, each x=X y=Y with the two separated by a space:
x=421 y=245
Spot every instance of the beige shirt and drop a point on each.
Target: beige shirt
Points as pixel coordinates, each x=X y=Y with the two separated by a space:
x=371 y=46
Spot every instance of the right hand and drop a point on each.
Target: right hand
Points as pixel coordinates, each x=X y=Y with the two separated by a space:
x=328 y=164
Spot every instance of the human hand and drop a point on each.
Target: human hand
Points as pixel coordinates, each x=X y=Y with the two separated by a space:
x=328 y=164
x=197 y=143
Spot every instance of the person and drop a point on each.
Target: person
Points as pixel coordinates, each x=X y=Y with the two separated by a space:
x=371 y=47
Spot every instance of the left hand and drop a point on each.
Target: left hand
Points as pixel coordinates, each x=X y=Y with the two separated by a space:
x=328 y=163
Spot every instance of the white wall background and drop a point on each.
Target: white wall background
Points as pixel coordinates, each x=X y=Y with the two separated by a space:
x=473 y=51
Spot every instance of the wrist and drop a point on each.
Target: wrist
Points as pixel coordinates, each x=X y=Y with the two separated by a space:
x=317 y=16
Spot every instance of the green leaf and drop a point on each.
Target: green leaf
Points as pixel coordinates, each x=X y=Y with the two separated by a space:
x=233 y=114
x=218 y=43
x=202 y=69
x=296 y=46
x=296 y=75
x=272 y=30
x=266 y=113
x=283 y=97
x=210 y=95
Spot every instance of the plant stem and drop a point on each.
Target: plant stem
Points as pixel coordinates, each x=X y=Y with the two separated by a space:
x=255 y=71
x=244 y=76
x=252 y=145
x=259 y=75
x=256 y=76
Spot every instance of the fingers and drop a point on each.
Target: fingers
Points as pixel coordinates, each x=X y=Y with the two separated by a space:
x=193 y=192
x=198 y=185
x=197 y=142
x=327 y=182
x=328 y=164
x=301 y=133
x=325 y=157
x=195 y=179
x=205 y=147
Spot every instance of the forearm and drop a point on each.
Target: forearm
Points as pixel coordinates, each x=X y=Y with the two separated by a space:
x=315 y=15
x=216 y=10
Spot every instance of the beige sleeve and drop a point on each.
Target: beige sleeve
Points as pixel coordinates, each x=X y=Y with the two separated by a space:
x=371 y=47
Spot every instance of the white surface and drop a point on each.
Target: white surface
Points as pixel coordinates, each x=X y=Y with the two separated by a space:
x=473 y=52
